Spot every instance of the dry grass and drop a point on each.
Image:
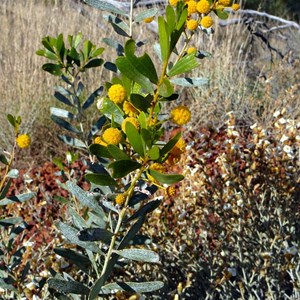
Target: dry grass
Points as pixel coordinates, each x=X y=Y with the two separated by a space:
x=241 y=76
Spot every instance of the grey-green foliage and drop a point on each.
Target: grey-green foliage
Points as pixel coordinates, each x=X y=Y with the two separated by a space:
x=13 y=270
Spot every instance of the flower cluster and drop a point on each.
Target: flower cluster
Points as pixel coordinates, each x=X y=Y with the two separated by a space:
x=117 y=93
x=23 y=141
x=199 y=11
x=180 y=115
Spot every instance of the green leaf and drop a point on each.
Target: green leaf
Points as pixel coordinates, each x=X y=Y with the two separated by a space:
x=112 y=111
x=66 y=125
x=100 y=151
x=58 y=112
x=13 y=173
x=97 y=52
x=104 y=5
x=46 y=53
x=3 y=159
x=190 y=82
x=171 y=18
x=135 y=139
x=53 y=69
x=72 y=287
x=139 y=255
x=147 y=137
x=10 y=221
x=202 y=54
x=97 y=126
x=95 y=234
x=137 y=287
x=145 y=14
x=171 y=143
x=114 y=44
x=185 y=64
x=182 y=19
x=90 y=100
x=154 y=153
x=96 y=62
x=72 y=141
x=11 y=120
x=140 y=102
x=117 y=153
x=114 y=258
x=126 y=68
x=117 y=21
x=100 y=179
x=5 y=189
x=6 y=285
x=142 y=212
x=59 y=96
x=166 y=89
x=84 y=197
x=17 y=199
x=163 y=39
x=81 y=261
x=223 y=15
x=166 y=178
x=123 y=167
x=70 y=233
x=143 y=64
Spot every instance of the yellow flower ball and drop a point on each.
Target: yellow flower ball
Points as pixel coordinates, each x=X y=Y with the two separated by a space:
x=112 y=136
x=98 y=140
x=191 y=50
x=171 y=191
x=148 y=20
x=117 y=93
x=203 y=7
x=207 y=22
x=192 y=24
x=158 y=167
x=192 y=7
x=235 y=6
x=180 y=145
x=23 y=141
x=224 y=2
x=173 y=2
x=120 y=199
x=180 y=115
x=129 y=109
x=133 y=121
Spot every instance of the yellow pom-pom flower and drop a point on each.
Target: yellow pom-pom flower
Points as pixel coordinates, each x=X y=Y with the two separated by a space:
x=120 y=199
x=173 y=2
x=112 y=136
x=117 y=93
x=129 y=109
x=23 y=141
x=180 y=145
x=235 y=6
x=98 y=140
x=203 y=7
x=192 y=7
x=148 y=20
x=180 y=115
x=206 y=22
x=171 y=191
x=192 y=24
x=224 y=2
x=158 y=167
x=133 y=121
x=191 y=50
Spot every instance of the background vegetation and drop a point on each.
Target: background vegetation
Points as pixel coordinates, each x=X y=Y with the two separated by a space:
x=195 y=233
